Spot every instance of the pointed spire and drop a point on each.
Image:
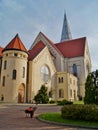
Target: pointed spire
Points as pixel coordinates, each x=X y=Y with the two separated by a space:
x=15 y=44
x=66 y=33
x=17 y=35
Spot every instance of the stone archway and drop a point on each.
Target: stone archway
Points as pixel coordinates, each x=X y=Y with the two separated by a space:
x=21 y=93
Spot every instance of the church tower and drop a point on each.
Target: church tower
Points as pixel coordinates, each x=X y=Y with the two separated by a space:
x=66 y=33
x=13 y=72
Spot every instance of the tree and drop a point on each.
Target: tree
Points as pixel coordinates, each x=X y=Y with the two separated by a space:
x=42 y=96
x=91 y=88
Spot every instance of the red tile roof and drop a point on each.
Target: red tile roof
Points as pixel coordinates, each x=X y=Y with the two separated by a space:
x=16 y=44
x=72 y=48
x=36 y=50
x=1 y=51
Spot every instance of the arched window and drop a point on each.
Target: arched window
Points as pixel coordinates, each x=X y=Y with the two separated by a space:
x=61 y=93
x=3 y=81
x=87 y=69
x=23 y=72
x=5 y=64
x=74 y=69
x=45 y=73
x=14 y=74
x=60 y=79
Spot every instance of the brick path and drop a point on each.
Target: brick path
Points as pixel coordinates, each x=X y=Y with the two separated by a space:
x=12 y=117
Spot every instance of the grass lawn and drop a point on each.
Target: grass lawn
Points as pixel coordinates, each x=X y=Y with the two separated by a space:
x=78 y=102
x=56 y=117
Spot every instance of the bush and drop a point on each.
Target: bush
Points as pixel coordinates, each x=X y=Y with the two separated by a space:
x=42 y=96
x=64 y=102
x=80 y=112
x=52 y=101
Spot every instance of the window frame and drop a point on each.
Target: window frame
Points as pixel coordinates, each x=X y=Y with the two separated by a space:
x=14 y=74
x=3 y=81
x=75 y=72
x=5 y=64
x=23 y=72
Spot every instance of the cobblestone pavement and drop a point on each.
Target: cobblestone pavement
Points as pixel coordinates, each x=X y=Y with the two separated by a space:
x=12 y=117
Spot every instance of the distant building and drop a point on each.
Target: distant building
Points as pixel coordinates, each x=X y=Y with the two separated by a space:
x=62 y=67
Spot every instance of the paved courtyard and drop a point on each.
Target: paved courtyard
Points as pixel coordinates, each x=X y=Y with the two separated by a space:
x=12 y=117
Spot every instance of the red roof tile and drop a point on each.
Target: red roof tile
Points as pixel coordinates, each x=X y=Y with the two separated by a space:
x=36 y=50
x=72 y=48
x=16 y=44
x=1 y=51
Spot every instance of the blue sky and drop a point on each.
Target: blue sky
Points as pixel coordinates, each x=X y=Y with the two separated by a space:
x=29 y=17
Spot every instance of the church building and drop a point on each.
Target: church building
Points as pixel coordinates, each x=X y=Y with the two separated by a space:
x=62 y=67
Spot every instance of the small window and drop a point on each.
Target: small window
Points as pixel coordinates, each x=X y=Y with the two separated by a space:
x=50 y=94
x=14 y=74
x=70 y=92
x=3 y=81
x=23 y=72
x=2 y=97
x=5 y=64
x=74 y=69
x=15 y=54
x=7 y=54
x=60 y=79
x=61 y=93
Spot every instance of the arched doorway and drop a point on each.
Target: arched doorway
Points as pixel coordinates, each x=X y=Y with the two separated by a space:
x=21 y=93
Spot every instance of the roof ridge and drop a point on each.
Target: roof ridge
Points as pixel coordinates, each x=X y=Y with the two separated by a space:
x=71 y=40
x=52 y=43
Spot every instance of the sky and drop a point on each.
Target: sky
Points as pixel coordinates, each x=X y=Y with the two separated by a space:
x=29 y=17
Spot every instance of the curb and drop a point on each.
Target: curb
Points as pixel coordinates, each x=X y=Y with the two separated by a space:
x=69 y=125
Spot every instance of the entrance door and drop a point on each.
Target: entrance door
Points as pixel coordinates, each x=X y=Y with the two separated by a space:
x=21 y=93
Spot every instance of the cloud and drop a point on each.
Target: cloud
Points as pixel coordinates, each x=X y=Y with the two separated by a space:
x=28 y=18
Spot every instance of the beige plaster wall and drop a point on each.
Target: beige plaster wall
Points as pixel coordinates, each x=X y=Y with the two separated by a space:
x=10 y=90
x=35 y=79
x=69 y=83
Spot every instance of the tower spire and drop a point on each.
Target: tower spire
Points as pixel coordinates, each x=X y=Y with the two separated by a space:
x=66 y=33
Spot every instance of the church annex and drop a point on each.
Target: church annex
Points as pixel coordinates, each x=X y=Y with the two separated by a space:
x=62 y=67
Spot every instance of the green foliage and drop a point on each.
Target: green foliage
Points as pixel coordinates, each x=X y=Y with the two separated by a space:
x=52 y=101
x=42 y=96
x=80 y=112
x=91 y=88
x=64 y=102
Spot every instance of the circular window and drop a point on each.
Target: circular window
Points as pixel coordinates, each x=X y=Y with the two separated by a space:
x=45 y=73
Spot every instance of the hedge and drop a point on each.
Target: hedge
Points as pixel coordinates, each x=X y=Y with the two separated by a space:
x=80 y=112
x=64 y=102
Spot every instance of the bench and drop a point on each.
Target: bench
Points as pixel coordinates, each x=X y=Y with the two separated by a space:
x=30 y=113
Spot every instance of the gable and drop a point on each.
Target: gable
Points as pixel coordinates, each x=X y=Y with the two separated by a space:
x=47 y=42
x=44 y=57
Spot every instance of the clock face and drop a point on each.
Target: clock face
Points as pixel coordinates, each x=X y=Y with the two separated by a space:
x=45 y=73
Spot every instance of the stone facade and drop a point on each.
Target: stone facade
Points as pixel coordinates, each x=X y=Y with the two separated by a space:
x=13 y=79
x=62 y=68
